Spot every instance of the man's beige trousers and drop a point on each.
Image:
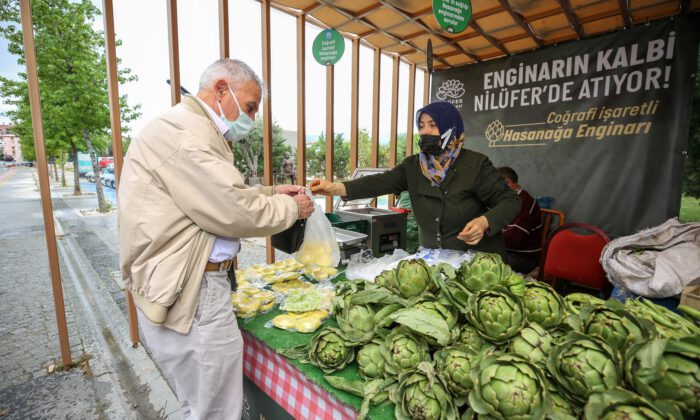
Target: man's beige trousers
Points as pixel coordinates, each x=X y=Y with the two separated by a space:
x=207 y=363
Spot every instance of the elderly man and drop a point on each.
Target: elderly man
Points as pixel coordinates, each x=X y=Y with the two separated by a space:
x=183 y=207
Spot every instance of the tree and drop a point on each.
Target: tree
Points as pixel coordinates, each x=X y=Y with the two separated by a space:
x=248 y=153
x=316 y=157
x=691 y=177
x=72 y=81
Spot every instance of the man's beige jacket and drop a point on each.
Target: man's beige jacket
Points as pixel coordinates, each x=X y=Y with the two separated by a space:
x=179 y=190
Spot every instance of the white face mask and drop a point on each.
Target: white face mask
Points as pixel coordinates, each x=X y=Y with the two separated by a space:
x=240 y=128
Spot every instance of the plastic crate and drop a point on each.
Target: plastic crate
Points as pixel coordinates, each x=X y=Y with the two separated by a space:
x=355 y=225
x=691 y=296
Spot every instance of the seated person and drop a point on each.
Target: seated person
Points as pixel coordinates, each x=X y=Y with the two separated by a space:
x=523 y=236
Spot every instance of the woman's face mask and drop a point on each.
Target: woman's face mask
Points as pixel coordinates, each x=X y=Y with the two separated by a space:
x=240 y=128
x=433 y=144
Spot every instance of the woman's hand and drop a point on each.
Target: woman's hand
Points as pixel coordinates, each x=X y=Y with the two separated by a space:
x=327 y=188
x=474 y=231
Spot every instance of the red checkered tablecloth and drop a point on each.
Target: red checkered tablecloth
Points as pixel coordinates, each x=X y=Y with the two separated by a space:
x=289 y=388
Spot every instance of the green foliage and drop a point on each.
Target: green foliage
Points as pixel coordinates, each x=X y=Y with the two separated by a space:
x=72 y=77
x=248 y=153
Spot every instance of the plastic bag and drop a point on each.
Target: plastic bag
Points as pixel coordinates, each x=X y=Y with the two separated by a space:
x=364 y=266
x=320 y=246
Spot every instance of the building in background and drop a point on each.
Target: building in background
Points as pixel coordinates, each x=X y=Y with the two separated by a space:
x=9 y=143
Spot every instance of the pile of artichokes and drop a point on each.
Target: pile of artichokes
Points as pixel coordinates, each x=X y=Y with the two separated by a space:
x=482 y=342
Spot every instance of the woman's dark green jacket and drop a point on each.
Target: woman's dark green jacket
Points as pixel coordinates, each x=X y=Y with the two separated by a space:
x=472 y=188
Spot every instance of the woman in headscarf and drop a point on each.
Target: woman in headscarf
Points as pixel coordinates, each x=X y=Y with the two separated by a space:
x=459 y=200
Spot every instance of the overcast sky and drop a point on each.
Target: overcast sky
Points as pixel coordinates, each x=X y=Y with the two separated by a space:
x=142 y=27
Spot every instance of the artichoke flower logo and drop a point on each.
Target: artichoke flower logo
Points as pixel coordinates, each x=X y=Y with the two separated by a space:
x=452 y=88
x=494 y=132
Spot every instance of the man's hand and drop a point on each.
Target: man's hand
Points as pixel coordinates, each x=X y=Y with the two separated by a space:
x=323 y=187
x=474 y=231
x=289 y=189
x=306 y=206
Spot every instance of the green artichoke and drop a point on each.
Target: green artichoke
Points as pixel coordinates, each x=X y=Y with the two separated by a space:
x=575 y=301
x=454 y=363
x=496 y=313
x=561 y=407
x=667 y=369
x=432 y=320
x=330 y=350
x=619 y=403
x=532 y=342
x=357 y=322
x=470 y=337
x=370 y=360
x=543 y=305
x=515 y=283
x=403 y=350
x=483 y=271
x=423 y=394
x=412 y=279
x=582 y=365
x=668 y=323
x=387 y=278
x=613 y=323
x=455 y=293
x=508 y=386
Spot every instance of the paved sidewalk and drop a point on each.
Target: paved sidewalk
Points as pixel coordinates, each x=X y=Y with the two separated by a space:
x=114 y=380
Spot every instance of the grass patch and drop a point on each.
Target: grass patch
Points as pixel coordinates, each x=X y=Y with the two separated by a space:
x=690 y=210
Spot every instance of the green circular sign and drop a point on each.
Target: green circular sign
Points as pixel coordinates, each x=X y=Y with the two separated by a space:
x=329 y=47
x=453 y=15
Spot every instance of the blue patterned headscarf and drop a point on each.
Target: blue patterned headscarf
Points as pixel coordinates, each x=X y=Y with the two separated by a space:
x=446 y=117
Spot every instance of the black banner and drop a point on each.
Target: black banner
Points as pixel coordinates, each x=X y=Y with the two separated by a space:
x=599 y=124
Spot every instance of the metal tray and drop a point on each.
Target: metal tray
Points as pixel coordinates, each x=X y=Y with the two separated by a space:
x=348 y=238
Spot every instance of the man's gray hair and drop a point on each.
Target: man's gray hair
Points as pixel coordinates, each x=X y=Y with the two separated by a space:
x=235 y=71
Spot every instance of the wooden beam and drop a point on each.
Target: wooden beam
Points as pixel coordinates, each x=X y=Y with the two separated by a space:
x=301 y=100
x=429 y=29
x=545 y=13
x=360 y=14
x=625 y=10
x=374 y=158
x=223 y=29
x=311 y=9
x=44 y=187
x=329 y=132
x=267 y=109
x=116 y=126
x=174 y=48
x=393 y=141
x=571 y=17
x=487 y=12
x=599 y=16
x=489 y=38
x=410 y=118
x=354 y=105
x=518 y=19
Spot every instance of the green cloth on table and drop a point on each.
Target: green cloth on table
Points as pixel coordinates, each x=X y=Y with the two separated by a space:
x=278 y=339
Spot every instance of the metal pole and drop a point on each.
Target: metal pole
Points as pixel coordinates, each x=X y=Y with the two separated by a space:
x=394 y=117
x=38 y=130
x=174 y=48
x=354 y=101
x=374 y=159
x=411 y=108
x=223 y=29
x=329 y=132
x=267 y=111
x=301 y=100
x=115 y=121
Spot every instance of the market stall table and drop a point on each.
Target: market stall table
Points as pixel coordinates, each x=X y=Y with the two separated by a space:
x=298 y=388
